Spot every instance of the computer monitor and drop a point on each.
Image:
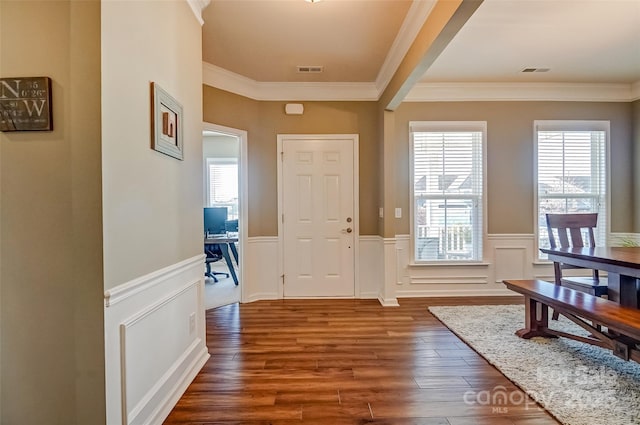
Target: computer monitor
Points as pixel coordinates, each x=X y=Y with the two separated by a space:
x=231 y=225
x=214 y=220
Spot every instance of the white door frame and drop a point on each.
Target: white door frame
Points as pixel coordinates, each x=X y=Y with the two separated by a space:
x=243 y=198
x=356 y=204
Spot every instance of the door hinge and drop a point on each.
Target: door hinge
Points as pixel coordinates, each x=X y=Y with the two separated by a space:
x=282 y=218
x=282 y=279
x=282 y=156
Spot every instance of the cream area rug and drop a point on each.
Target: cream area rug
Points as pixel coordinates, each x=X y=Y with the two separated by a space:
x=222 y=292
x=579 y=384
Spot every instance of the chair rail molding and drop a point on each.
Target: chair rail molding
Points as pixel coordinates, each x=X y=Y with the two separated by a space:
x=133 y=287
x=624 y=239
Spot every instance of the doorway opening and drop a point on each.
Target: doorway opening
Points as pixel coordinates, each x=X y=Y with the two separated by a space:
x=224 y=186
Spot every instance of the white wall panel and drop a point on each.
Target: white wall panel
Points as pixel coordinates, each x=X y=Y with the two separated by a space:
x=510 y=263
x=154 y=341
x=370 y=265
x=262 y=281
x=506 y=257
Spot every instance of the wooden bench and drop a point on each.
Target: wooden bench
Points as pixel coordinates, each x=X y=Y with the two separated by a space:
x=622 y=323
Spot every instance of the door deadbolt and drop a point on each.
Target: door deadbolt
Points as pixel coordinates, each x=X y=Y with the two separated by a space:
x=348 y=219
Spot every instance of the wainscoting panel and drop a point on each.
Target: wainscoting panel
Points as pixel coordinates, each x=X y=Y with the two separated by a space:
x=506 y=256
x=262 y=281
x=155 y=342
x=371 y=271
x=510 y=263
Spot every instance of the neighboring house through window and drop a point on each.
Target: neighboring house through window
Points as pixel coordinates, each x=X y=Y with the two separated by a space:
x=447 y=190
x=571 y=164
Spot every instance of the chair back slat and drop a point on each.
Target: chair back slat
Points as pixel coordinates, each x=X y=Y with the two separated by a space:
x=576 y=237
x=570 y=227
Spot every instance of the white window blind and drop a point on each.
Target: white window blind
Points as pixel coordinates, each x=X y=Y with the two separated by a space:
x=223 y=185
x=572 y=172
x=447 y=190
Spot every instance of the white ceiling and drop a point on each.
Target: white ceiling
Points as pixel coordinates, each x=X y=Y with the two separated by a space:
x=580 y=41
x=360 y=42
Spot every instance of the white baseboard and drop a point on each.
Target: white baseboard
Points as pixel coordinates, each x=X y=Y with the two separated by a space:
x=258 y=296
x=390 y=302
x=172 y=397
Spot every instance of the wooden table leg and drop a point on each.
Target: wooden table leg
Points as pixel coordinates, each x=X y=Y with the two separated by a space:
x=623 y=290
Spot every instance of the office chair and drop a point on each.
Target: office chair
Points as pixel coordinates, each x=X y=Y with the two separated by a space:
x=213 y=254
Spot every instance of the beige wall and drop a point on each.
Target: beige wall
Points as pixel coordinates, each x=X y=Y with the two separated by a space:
x=152 y=202
x=263 y=121
x=509 y=152
x=51 y=265
x=635 y=111
x=510 y=147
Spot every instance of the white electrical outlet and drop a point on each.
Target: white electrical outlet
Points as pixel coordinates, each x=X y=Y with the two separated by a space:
x=192 y=323
x=398 y=212
x=381 y=212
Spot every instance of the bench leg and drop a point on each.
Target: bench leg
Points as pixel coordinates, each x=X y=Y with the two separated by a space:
x=536 y=322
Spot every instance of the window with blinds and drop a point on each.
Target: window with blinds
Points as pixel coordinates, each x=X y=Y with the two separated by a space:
x=571 y=172
x=447 y=190
x=223 y=184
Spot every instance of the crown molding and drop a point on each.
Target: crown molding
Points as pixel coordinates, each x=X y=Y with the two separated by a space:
x=414 y=21
x=223 y=79
x=197 y=6
x=577 y=92
x=215 y=76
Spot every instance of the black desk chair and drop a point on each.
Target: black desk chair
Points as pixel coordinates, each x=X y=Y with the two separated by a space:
x=213 y=254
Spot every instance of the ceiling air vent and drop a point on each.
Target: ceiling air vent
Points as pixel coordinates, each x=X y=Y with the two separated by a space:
x=310 y=69
x=536 y=70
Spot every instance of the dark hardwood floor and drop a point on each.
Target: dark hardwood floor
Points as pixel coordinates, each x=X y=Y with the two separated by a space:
x=343 y=362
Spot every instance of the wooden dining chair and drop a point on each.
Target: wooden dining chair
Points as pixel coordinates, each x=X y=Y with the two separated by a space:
x=566 y=231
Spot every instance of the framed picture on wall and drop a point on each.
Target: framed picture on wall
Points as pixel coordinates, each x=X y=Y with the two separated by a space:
x=166 y=123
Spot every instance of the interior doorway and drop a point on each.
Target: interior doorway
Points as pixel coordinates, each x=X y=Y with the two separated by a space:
x=224 y=192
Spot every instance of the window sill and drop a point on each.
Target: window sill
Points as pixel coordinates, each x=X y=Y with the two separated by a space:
x=451 y=264
x=542 y=262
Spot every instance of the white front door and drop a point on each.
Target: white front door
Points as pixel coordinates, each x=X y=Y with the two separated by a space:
x=318 y=222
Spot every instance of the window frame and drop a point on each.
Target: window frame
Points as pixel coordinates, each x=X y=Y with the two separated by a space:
x=571 y=125
x=449 y=126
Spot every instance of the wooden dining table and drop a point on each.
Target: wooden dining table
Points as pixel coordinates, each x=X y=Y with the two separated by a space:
x=622 y=265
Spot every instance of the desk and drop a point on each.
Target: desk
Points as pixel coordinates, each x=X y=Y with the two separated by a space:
x=621 y=263
x=225 y=243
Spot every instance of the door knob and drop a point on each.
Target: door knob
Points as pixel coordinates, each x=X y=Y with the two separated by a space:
x=347 y=230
